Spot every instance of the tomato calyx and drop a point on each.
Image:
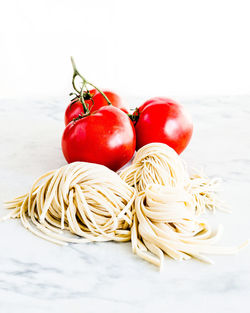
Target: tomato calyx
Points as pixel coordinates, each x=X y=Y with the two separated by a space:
x=80 y=116
x=87 y=95
x=134 y=116
x=83 y=93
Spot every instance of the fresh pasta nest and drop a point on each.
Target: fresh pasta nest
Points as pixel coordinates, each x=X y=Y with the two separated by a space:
x=157 y=163
x=88 y=200
x=165 y=223
x=168 y=205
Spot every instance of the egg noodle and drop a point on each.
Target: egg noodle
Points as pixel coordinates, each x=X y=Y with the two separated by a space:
x=167 y=208
x=157 y=163
x=154 y=202
x=165 y=222
x=88 y=200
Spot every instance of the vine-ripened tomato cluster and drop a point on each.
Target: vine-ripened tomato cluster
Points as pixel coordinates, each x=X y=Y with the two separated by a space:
x=100 y=129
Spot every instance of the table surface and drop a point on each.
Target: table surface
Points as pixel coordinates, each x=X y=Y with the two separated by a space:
x=38 y=276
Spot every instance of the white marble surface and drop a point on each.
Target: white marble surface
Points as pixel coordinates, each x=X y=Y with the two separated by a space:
x=38 y=276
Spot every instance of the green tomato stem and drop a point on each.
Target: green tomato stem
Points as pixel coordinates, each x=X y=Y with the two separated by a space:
x=106 y=98
x=75 y=74
x=84 y=86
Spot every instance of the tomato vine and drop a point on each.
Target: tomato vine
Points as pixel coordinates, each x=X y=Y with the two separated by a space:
x=83 y=93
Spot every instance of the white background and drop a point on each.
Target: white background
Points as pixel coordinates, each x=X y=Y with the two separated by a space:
x=148 y=48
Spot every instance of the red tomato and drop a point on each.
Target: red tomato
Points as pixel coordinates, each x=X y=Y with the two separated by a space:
x=106 y=137
x=163 y=120
x=75 y=107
